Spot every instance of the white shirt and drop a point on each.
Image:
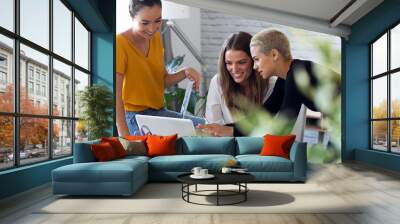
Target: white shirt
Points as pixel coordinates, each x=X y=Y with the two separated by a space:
x=216 y=109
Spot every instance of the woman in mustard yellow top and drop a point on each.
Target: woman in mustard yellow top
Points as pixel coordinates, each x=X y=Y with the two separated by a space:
x=141 y=76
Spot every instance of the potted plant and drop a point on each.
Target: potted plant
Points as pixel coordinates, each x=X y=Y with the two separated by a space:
x=97 y=103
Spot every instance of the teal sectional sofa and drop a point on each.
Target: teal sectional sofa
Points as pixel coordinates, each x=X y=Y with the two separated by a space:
x=125 y=176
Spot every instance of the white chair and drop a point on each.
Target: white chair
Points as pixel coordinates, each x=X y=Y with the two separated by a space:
x=298 y=128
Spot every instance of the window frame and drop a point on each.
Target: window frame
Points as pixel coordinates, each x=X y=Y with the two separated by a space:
x=16 y=115
x=388 y=74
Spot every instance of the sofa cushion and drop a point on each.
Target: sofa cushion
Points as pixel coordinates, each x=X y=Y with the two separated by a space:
x=93 y=172
x=161 y=145
x=129 y=159
x=134 y=147
x=185 y=163
x=257 y=163
x=206 y=145
x=83 y=152
x=275 y=145
x=103 y=152
x=116 y=145
x=136 y=137
x=249 y=145
x=112 y=171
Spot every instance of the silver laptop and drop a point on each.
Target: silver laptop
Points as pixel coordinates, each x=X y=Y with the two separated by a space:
x=165 y=125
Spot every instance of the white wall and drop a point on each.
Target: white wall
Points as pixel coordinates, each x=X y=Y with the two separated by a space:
x=124 y=20
x=191 y=27
x=216 y=27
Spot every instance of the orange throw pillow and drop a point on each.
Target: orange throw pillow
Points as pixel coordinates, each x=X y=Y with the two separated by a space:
x=103 y=151
x=136 y=137
x=161 y=145
x=277 y=145
x=116 y=145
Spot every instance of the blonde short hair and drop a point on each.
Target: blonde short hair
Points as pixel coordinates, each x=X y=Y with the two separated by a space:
x=272 y=39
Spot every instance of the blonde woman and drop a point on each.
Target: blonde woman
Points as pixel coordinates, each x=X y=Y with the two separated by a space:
x=272 y=56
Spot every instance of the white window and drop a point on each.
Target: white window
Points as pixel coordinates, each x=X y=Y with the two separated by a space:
x=30 y=87
x=36 y=60
x=38 y=74
x=44 y=77
x=38 y=89
x=385 y=94
x=3 y=61
x=30 y=72
x=3 y=69
x=43 y=90
x=3 y=78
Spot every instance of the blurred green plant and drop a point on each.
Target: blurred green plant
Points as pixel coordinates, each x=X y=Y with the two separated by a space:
x=257 y=122
x=174 y=98
x=318 y=153
x=326 y=95
x=97 y=104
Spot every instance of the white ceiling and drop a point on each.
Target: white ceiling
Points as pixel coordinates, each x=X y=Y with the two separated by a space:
x=320 y=9
x=314 y=15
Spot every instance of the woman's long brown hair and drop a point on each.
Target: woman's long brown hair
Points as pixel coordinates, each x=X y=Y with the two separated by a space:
x=232 y=91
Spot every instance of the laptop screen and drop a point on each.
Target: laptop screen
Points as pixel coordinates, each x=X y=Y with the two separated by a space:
x=186 y=98
x=165 y=125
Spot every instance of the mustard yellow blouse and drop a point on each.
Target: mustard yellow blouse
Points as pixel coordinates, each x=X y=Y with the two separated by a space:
x=143 y=83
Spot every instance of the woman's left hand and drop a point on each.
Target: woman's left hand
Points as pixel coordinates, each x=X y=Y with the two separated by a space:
x=193 y=75
x=216 y=129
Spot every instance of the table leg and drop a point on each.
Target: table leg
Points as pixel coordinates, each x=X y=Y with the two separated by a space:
x=245 y=191
x=182 y=190
x=217 y=194
x=188 y=190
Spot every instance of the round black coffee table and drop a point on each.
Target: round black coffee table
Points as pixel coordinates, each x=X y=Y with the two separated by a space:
x=238 y=179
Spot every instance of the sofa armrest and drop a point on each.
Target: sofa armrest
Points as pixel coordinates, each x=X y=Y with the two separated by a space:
x=83 y=152
x=298 y=155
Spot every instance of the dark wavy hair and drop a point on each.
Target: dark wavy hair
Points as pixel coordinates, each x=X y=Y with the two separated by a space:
x=136 y=5
x=231 y=90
